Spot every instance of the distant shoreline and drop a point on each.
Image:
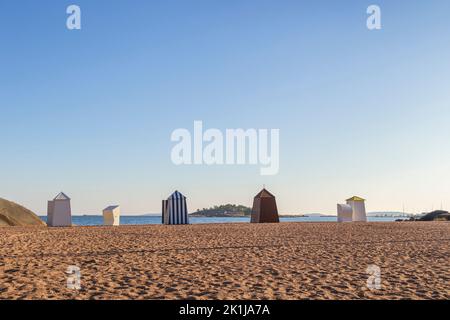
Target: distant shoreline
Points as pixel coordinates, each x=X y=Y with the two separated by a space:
x=194 y=215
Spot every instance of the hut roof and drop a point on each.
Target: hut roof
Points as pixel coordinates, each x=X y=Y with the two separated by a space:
x=111 y=208
x=264 y=194
x=176 y=195
x=62 y=196
x=355 y=198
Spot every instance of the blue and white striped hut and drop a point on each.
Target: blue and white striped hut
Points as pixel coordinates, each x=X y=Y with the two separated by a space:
x=174 y=209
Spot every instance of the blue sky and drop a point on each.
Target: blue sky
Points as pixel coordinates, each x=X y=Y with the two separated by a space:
x=90 y=112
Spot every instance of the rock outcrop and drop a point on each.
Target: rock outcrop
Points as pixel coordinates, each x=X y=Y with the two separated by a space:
x=12 y=214
x=438 y=215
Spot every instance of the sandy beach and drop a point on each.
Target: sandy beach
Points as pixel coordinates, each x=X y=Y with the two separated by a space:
x=228 y=261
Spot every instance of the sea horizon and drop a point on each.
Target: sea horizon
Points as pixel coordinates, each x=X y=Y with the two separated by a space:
x=97 y=220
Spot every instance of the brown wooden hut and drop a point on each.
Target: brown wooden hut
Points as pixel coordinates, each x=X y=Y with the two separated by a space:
x=264 y=208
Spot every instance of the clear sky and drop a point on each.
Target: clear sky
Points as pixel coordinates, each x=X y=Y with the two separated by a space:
x=90 y=112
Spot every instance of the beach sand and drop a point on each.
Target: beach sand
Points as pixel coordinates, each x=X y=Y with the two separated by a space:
x=228 y=261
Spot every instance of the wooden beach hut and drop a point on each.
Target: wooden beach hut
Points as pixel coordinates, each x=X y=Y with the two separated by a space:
x=174 y=209
x=359 y=209
x=344 y=213
x=111 y=216
x=59 y=213
x=353 y=211
x=264 y=208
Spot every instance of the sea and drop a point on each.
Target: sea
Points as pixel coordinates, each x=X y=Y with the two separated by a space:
x=88 y=220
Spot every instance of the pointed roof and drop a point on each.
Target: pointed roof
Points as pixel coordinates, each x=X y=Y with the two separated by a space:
x=62 y=196
x=355 y=198
x=110 y=208
x=176 y=195
x=264 y=194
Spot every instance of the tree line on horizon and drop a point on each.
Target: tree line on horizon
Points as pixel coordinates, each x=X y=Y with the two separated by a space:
x=225 y=211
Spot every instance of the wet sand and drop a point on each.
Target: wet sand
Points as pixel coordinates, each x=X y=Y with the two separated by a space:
x=228 y=261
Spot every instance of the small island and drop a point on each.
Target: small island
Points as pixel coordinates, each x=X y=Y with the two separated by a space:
x=227 y=210
x=233 y=211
